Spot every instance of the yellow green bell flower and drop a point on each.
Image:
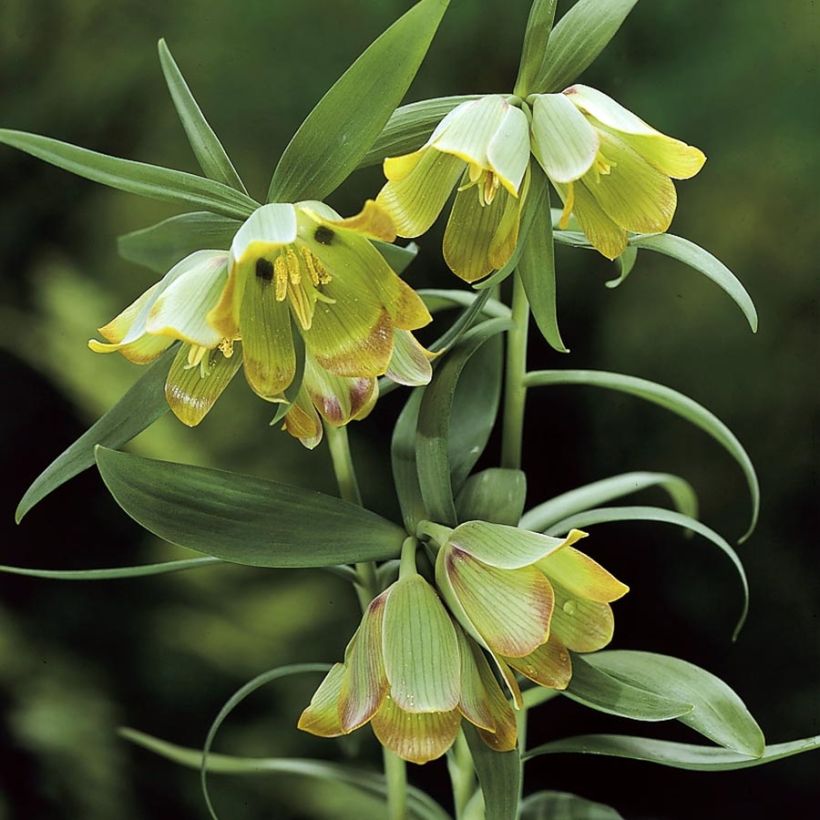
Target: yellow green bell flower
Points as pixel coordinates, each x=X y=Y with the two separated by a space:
x=612 y=170
x=413 y=675
x=484 y=143
x=527 y=598
x=292 y=269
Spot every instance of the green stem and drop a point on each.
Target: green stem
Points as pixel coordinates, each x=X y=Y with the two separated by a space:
x=367 y=588
x=515 y=391
x=462 y=774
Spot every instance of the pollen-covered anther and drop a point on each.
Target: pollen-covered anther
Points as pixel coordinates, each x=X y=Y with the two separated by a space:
x=226 y=348
x=294 y=269
x=280 y=272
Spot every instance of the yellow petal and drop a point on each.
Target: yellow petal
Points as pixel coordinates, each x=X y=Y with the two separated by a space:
x=410 y=363
x=550 y=665
x=604 y=235
x=581 y=625
x=303 y=422
x=581 y=576
x=372 y=221
x=322 y=715
x=416 y=738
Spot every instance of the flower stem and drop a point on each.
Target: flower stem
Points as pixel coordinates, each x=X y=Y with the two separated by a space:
x=367 y=588
x=515 y=391
x=462 y=774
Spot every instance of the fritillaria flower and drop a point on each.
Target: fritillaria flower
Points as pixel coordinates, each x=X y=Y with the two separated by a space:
x=297 y=279
x=612 y=170
x=481 y=146
x=413 y=675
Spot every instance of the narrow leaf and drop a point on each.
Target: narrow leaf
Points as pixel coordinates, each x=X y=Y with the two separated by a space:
x=403 y=459
x=244 y=519
x=438 y=300
x=137 y=410
x=717 y=713
x=592 y=495
x=337 y=134
x=677 y=755
x=669 y=399
x=152 y=181
x=447 y=452
x=606 y=515
x=410 y=126
x=207 y=148
x=112 y=574
x=592 y=687
x=499 y=774
x=536 y=39
x=564 y=806
x=578 y=38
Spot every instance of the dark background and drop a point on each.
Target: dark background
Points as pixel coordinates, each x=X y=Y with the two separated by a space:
x=77 y=660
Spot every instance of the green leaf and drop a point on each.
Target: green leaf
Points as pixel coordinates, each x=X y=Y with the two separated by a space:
x=150 y=181
x=244 y=519
x=608 y=489
x=420 y=806
x=454 y=429
x=701 y=260
x=340 y=130
x=717 y=713
x=537 y=264
x=598 y=690
x=410 y=126
x=578 y=38
x=118 y=573
x=443 y=299
x=606 y=515
x=403 y=459
x=564 y=806
x=243 y=692
x=137 y=410
x=159 y=247
x=671 y=400
x=677 y=755
x=536 y=39
x=207 y=148
x=496 y=494
x=499 y=774
x=625 y=262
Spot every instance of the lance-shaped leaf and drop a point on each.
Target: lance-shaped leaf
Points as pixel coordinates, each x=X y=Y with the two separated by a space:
x=114 y=574
x=592 y=495
x=671 y=400
x=403 y=460
x=499 y=775
x=337 y=134
x=437 y=300
x=537 y=264
x=536 y=39
x=606 y=515
x=207 y=148
x=564 y=806
x=456 y=416
x=677 y=755
x=139 y=178
x=717 y=712
x=243 y=519
x=578 y=38
x=410 y=126
x=137 y=410
x=495 y=494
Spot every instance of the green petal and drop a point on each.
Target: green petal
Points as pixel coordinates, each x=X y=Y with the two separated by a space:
x=417 y=738
x=634 y=195
x=474 y=701
x=581 y=576
x=339 y=399
x=269 y=227
x=410 y=363
x=267 y=337
x=505 y=239
x=507 y=547
x=564 y=143
x=415 y=200
x=364 y=685
x=322 y=715
x=581 y=625
x=142 y=350
x=181 y=310
x=505 y=736
x=509 y=150
x=510 y=608
x=468 y=130
x=189 y=393
x=420 y=648
x=303 y=422
x=550 y=665
x=606 y=237
x=470 y=232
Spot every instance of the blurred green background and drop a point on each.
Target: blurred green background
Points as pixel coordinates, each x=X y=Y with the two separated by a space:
x=738 y=79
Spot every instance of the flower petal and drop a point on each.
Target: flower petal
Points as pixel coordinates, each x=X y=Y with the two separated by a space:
x=189 y=393
x=505 y=736
x=467 y=131
x=410 y=363
x=267 y=228
x=604 y=235
x=414 y=200
x=322 y=715
x=303 y=422
x=337 y=398
x=372 y=221
x=581 y=625
x=564 y=142
x=420 y=648
x=511 y=609
x=364 y=685
x=141 y=350
x=550 y=665
x=507 y=547
x=417 y=738
x=581 y=576
x=509 y=150
x=474 y=700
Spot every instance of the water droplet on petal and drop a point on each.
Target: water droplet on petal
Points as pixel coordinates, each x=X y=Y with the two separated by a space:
x=569 y=607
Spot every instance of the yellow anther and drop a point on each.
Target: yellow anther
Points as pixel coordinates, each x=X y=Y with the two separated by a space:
x=491 y=186
x=311 y=266
x=475 y=172
x=280 y=273
x=195 y=355
x=569 y=204
x=302 y=304
x=226 y=348
x=294 y=270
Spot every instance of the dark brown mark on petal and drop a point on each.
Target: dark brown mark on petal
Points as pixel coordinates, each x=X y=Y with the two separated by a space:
x=324 y=235
x=264 y=270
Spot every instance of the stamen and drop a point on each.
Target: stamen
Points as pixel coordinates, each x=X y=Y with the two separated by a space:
x=309 y=264
x=302 y=304
x=491 y=186
x=195 y=355
x=294 y=270
x=475 y=172
x=569 y=204
x=226 y=347
x=280 y=267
